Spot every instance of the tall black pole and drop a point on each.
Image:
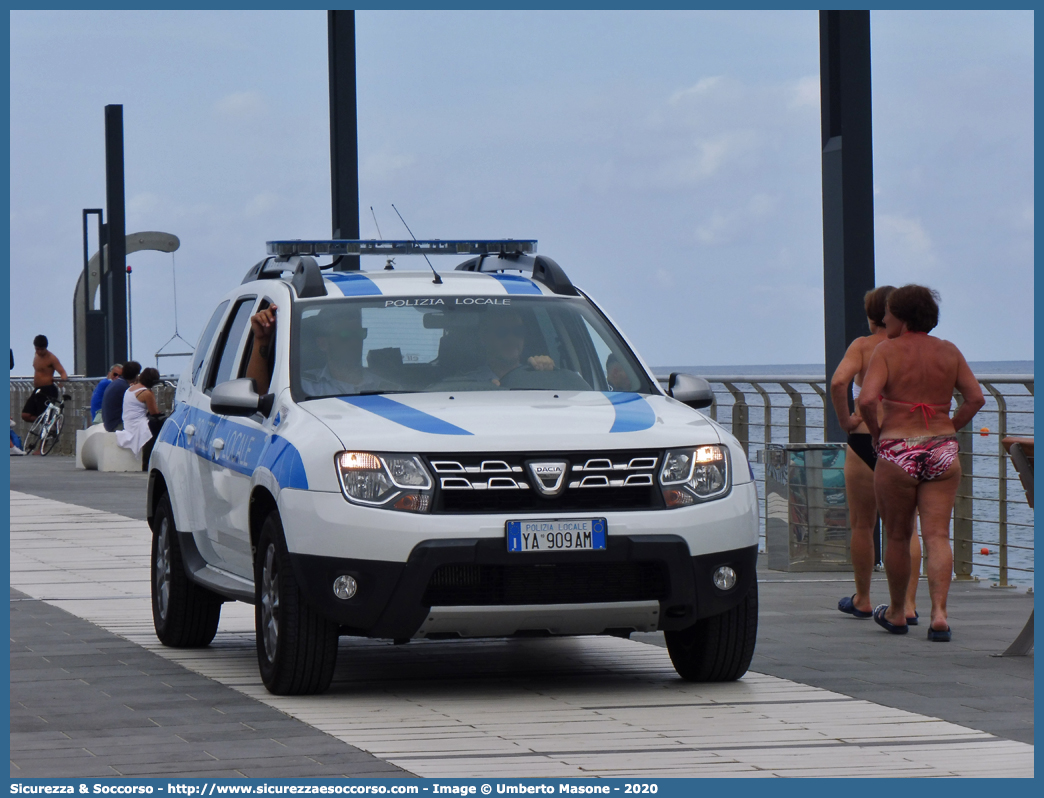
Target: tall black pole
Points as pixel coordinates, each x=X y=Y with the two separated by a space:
x=848 y=185
x=344 y=135
x=114 y=273
x=93 y=329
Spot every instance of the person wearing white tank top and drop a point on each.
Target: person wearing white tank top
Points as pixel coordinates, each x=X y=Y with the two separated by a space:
x=140 y=413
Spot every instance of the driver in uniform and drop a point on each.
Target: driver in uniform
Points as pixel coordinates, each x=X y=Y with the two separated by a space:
x=503 y=339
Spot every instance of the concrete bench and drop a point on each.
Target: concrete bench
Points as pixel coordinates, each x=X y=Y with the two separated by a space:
x=97 y=450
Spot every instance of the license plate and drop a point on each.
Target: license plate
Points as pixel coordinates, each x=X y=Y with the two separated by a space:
x=574 y=534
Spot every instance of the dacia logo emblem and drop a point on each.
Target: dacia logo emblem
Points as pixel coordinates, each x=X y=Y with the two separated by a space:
x=548 y=476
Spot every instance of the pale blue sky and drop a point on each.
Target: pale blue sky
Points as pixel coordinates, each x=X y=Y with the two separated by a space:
x=669 y=161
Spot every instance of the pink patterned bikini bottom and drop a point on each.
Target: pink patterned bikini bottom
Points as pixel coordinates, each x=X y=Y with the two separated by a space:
x=922 y=458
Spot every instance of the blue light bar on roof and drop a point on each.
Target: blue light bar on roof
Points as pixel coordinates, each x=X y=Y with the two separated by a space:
x=346 y=246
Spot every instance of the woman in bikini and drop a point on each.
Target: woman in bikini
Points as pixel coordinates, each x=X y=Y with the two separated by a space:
x=912 y=376
x=859 y=465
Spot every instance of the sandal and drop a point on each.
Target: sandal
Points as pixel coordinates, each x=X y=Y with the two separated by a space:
x=880 y=620
x=939 y=635
x=847 y=605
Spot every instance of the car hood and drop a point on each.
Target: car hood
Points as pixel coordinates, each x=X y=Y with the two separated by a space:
x=511 y=421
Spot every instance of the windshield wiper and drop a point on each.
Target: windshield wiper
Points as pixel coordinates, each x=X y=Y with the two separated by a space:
x=361 y=393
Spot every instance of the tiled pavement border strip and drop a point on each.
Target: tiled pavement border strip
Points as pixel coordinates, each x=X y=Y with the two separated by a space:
x=464 y=704
x=85 y=702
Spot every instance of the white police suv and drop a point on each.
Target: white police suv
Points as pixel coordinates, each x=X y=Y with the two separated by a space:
x=419 y=454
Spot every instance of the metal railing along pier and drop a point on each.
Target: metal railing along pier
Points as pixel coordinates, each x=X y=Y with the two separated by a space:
x=993 y=524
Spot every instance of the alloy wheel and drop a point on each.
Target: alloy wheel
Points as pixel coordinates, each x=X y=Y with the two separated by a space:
x=270 y=602
x=162 y=568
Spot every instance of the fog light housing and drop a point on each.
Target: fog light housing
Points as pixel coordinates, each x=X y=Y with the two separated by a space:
x=344 y=587
x=724 y=578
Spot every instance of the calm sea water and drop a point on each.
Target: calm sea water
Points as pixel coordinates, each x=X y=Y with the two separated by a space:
x=985 y=447
x=817 y=370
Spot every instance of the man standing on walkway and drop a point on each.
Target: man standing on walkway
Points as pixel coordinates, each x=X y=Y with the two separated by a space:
x=45 y=364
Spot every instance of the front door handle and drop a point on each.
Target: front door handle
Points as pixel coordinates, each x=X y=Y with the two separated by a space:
x=189 y=431
x=218 y=444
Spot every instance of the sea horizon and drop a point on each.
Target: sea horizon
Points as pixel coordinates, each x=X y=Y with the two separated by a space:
x=979 y=367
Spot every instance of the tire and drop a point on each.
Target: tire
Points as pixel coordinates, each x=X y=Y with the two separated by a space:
x=719 y=648
x=52 y=434
x=296 y=647
x=32 y=437
x=185 y=614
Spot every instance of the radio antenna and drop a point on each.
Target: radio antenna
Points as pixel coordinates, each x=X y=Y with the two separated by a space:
x=389 y=264
x=437 y=280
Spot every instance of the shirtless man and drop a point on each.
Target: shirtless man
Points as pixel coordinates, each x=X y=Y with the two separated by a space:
x=45 y=364
x=912 y=376
x=859 y=466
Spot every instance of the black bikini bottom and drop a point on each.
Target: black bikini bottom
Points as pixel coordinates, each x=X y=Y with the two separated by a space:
x=863 y=445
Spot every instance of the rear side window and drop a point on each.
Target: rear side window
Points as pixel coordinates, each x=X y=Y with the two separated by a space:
x=227 y=349
x=204 y=342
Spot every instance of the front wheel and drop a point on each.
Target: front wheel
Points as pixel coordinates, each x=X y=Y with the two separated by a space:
x=296 y=647
x=185 y=614
x=51 y=435
x=719 y=648
x=32 y=437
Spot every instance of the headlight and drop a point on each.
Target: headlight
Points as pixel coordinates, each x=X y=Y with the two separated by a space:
x=696 y=474
x=393 y=481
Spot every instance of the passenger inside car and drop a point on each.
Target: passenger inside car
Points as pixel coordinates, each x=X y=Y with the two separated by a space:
x=338 y=334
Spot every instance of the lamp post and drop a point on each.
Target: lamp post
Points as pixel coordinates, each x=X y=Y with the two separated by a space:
x=130 y=328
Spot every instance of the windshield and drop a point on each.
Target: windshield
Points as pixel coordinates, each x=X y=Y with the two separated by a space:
x=345 y=347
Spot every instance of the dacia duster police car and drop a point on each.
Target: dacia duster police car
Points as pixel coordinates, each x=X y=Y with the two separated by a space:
x=418 y=454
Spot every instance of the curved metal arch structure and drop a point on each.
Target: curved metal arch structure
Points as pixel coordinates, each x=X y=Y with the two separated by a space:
x=136 y=242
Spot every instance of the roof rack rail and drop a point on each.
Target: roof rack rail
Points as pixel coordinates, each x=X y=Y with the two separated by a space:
x=263 y=270
x=544 y=270
x=307 y=280
x=352 y=246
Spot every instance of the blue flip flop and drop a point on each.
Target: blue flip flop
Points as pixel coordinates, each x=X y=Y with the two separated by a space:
x=911 y=620
x=880 y=620
x=847 y=605
x=939 y=635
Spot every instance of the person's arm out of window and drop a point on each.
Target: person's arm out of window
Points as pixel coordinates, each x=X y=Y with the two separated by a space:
x=262 y=326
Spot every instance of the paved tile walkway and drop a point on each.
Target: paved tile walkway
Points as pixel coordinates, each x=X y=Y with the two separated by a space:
x=564 y=707
x=85 y=702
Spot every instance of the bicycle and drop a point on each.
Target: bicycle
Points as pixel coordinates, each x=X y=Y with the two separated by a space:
x=47 y=428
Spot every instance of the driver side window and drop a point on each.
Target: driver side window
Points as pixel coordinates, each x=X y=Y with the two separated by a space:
x=225 y=353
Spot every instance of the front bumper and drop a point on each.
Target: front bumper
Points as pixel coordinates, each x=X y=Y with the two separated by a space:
x=639 y=582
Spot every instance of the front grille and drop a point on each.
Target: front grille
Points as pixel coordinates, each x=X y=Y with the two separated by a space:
x=502 y=483
x=471 y=584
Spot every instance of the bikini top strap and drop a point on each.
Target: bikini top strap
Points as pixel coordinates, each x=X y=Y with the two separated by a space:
x=928 y=410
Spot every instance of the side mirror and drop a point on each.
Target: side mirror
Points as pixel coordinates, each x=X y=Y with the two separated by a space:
x=240 y=398
x=692 y=391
